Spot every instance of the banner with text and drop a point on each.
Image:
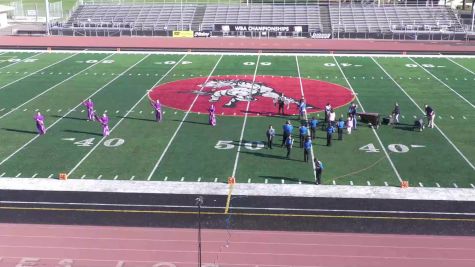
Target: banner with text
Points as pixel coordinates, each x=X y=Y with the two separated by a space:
x=183 y=34
x=261 y=28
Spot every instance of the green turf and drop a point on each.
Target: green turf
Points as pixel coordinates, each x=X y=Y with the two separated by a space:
x=182 y=147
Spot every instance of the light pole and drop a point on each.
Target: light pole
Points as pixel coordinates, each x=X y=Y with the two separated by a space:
x=47 y=17
x=199 y=202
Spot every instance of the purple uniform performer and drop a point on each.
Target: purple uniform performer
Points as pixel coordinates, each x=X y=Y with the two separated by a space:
x=104 y=121
x=90 y=109
x=158 y=110
x=212 y=115
x=40 y=123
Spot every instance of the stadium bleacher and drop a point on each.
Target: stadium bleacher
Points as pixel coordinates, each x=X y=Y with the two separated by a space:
x=305 y=20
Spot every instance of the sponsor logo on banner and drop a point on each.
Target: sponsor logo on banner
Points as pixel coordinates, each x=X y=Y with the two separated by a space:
x=315 y=35
x=183 y=34
x=262 y=28
x=202 y=34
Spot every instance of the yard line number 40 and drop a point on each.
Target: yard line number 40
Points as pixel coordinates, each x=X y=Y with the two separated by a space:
x=396 y=148
x=113 y=142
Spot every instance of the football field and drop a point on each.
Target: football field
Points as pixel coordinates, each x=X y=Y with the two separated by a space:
x=184 y=147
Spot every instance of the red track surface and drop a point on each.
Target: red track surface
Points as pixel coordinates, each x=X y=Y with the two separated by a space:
x=91 y=246
x=236 y=43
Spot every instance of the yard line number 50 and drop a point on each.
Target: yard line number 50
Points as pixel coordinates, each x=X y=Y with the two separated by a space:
x=223 y=145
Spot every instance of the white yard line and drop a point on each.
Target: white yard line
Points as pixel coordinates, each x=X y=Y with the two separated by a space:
x=437 y=127
x=80 y=104
x=463 y=67
x=372 y=128
x=244 y=123
x=450 y=88
x=23 y=77
x=126 y=114
x=181 y=123
x=54 y=86
x=306 y=117
x=14 y=63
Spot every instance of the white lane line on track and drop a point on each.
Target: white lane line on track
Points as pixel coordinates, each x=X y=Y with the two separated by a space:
x=306 y=117
x=181 y=123
x=58 y=120
x=26 y=76
x=54 y=86
x=52 y=203
x=450 y=88
x=437 y=127
x=244 y=122
x=372 y=128
x=125 y=116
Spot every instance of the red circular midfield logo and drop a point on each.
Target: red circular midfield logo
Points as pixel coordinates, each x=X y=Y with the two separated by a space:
x=230 y=94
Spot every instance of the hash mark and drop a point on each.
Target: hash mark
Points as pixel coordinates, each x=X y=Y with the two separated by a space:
x=283 y=181
x=2 y=174
x=99 y=177
x=473 y=186
x=199 y=179
x=385 y=183
x=115 y=177
x=334 y=182
x=59 y=110
x=25 y=109
x=437 y=184
x=351 y=182
x=34 y=175
x=452 y=117
x=464 y=117
x=48 y=110
x=266 y=181
x=300 y=181
x=132 y=178
x=215 y=180
x=18 y=175
x=368 y=182
x=455 y=185
x=83 y=176
x=166 y=178
x=50 y=176
x=421 y=185
x=82 y=111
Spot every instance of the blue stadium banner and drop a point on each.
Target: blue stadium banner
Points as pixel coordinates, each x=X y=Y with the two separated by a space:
x=260 y=28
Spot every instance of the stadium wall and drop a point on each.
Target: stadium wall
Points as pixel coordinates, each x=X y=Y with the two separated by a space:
x=237 y=44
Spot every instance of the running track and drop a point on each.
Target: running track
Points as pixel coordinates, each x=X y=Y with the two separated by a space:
x=93 y=246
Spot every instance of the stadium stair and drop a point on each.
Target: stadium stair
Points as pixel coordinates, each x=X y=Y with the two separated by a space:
x=198 y=17
x=325 y=19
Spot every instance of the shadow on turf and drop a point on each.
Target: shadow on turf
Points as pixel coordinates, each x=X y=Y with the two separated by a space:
x=135 y=118
x=283 y=157
x=280 y=178
x=70 y=118
x=19 y=131
x=84 y=132
x=194 y=122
